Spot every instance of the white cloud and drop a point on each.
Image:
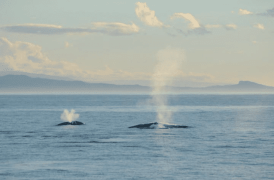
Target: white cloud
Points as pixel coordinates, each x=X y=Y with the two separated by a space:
x=231 y=26
x=146 y=15
x=27 y=57
x=113 y=29
x=187 y=16
x=116 y=28
x=259 y=26
x=244 y=12
x=67 y=44
x=213 y=26
x=195 y=27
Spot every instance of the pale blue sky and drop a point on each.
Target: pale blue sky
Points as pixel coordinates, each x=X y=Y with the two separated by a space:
x=221 y=56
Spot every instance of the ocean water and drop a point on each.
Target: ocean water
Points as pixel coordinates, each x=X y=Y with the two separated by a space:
x=231 y=137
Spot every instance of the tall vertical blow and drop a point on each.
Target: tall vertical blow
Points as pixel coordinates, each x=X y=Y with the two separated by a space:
x=168 y=67
x=69 y=116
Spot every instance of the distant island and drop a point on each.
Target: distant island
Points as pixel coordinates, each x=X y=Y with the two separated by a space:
x=26 y=84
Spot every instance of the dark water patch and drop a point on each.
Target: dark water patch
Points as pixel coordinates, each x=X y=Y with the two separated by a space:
x=243 y=147
x=16 y=143
x=31 y=132
x=72 y=142
x=27 y=136
x=57 y=170
x=85 y=136
x=133 y=146
x=80 y=150
x=228 y=146
x=76 y=142
x=184 y=150
x=101 y=142
x=262 y=140
x=11 y=136
x=51 y=174
x=139 y=147
x=269 y=154
x=52 y=136
x=7 y=132
x=72 y=146
x=5 y=174
x=261 y=164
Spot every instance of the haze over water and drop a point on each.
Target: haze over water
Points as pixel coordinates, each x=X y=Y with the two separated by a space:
x=231 y=137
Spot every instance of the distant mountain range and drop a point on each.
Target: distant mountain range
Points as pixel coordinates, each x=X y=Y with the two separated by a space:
x=24 y=84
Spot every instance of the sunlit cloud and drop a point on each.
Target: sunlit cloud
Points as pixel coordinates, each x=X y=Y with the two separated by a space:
x=146 y=15
x=27 y=57
x=231 y=26
x=193 y=23
x=213 y=26
x=196 y=31
x=259 y=26
x=67 y=44
x=244 y=12
x=114 y=29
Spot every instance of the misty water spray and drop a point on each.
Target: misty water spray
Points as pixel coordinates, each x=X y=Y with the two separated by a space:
x=69 y=116
x=167 y=68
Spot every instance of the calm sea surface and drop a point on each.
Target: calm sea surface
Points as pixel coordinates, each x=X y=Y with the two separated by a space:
x=231 y=137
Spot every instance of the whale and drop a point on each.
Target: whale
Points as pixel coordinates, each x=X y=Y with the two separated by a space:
x=70 y=123
x=156 y=125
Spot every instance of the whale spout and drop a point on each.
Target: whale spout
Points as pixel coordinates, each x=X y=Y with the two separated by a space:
x=71 y=123
x=157 y=125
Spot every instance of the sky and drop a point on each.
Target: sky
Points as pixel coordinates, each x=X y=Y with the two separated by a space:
x=223 y=42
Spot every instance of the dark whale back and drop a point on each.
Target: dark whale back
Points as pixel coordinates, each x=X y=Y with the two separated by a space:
x=161 y=126
x=64 y=123
x=71 y=123
x=144 y=126
x=76 y=123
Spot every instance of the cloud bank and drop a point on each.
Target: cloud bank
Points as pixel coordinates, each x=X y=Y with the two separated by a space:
x=194 y=26
x=67 y=44
x=113 y=29
x=227 y=26
x=259 y=26
x=231 y=26
x=29 y=58
x=269 y=12
x=213 y=26
x=244 y=12
x=193 y=23
x=146 y=15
